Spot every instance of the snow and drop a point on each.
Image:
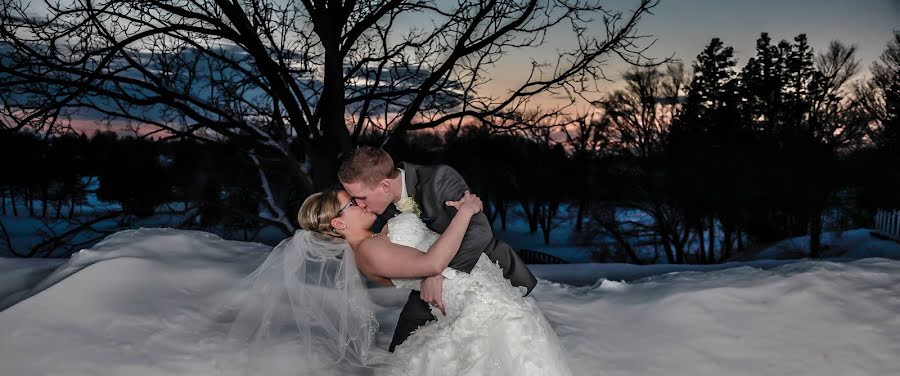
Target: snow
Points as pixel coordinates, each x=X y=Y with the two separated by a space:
x=19 y=275
x=518 y=236
x=149 y=302
x=853 y=244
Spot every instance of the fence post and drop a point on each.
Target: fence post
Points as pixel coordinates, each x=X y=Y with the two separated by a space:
x=887 y=222
x=892 y=225
x=889 y=218
x=896 y=232
x=889 y=229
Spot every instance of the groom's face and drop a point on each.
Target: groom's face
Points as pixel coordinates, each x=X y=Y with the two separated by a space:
x=373 y=198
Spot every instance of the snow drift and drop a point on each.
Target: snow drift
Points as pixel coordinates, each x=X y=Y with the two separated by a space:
x=148 y=302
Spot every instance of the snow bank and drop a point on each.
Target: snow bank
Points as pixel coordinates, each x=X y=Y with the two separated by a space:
x=853 y=244
x=144 y=302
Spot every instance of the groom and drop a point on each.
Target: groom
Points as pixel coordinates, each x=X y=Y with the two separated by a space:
x=371 y=178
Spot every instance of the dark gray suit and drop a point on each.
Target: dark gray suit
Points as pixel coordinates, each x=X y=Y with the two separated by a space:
x=431 y=187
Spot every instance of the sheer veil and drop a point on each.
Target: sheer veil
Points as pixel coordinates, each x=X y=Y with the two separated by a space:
x=308 y=296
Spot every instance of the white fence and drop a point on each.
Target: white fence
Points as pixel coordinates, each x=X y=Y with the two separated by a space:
x=887 y=222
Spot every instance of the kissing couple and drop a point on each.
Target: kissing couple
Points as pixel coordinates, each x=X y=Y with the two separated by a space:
x=467 y=313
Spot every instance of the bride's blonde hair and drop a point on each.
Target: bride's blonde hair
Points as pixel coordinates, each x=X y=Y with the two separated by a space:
x=317 y=212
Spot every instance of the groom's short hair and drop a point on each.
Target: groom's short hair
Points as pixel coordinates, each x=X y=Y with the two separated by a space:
x=367 y=164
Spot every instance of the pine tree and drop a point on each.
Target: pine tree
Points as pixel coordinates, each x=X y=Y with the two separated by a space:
x=698 y=151
x=712 y=73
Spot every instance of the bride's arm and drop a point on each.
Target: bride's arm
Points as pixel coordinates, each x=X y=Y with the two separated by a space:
x=389 y=260
x=379 y=280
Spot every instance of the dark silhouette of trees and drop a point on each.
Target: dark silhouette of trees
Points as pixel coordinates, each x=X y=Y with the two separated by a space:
x=294 y=84
x=134 y=180
x=758 y=153
x=879 y=99
x=694 y=167
x=515 y=168
x=701 y=150
x=808 y=122
x=131 y=174
x=640 y=117
x=587 y=135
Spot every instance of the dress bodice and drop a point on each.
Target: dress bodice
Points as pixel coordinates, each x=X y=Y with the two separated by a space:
x=407 y=229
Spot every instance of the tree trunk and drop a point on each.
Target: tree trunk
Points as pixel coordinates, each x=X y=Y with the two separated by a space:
x=815 y=234
x=531 y=212
x=681 y=248
x=546 y=231
x=502 y=210
x=59 y=205
x=44 y=202
x=489 y=210
x=335 y=136
x=29 y=201
x=679 y=251
x=671 y=257
x=662 y=236
x=624 y=245
x=3 y=201
x=702 y=252
x=726 y=243
x=803 y=224
x=579 y=218
x=324 y=159
x=12 y=202
x=680 y=242
x=544 y=221
x=712 y=241
x=547 y=220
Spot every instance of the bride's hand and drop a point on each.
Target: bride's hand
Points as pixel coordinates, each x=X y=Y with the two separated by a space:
x=469 y=203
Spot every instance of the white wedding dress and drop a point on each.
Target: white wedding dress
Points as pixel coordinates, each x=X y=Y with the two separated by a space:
x=490 y=329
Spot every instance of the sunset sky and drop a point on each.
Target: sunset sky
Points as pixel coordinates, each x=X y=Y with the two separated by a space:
x=683 y=27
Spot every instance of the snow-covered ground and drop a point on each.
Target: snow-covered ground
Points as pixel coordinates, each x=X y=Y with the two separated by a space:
x=148 y=302
x=27 y=231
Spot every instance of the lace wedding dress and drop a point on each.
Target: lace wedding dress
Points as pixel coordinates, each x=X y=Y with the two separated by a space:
x=489 y=329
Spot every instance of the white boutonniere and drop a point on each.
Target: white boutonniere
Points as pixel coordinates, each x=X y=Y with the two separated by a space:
x=408 y=205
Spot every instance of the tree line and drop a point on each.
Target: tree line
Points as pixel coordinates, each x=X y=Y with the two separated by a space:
x=710 y=160
x=701 y=163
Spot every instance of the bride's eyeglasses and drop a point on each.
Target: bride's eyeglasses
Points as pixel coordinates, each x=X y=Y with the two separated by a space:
x=350 y=203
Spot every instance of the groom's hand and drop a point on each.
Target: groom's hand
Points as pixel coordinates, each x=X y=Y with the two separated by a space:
x=432 y=290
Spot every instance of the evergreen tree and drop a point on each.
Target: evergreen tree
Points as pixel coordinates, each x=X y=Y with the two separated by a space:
x=700 y=150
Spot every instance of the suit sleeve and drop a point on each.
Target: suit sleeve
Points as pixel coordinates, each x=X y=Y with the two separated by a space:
x=450 y=186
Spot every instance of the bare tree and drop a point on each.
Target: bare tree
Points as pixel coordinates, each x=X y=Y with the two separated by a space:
x=837 y=122
x=642 y=112
x=294 y=82
x=639 y=118
x=540 y=185
x=833 y=114
x=872 y=95
x=586 y=135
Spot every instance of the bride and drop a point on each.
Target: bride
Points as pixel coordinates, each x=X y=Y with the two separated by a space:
x=486 y=327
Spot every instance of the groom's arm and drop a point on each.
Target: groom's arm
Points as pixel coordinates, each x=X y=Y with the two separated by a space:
x=479 y=237
x=450 y=186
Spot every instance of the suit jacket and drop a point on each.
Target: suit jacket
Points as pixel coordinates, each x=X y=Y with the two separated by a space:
x=431 y=187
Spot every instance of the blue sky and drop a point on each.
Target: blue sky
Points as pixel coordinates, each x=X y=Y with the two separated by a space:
x=683 y=27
